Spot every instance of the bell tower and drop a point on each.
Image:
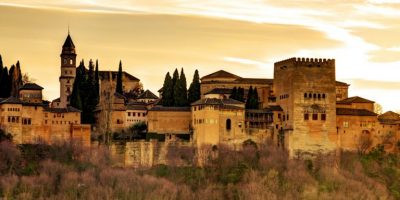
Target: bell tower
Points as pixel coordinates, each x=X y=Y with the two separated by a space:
x=68 y=71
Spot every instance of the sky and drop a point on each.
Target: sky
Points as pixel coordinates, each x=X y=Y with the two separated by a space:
x=244 y=37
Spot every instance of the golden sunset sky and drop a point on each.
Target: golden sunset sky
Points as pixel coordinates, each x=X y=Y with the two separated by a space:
x=244 y=37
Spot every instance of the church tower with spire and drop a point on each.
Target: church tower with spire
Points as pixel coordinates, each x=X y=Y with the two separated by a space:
x=68 y=71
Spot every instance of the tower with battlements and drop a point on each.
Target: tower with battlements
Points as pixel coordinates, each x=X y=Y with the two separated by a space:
x=305 y=89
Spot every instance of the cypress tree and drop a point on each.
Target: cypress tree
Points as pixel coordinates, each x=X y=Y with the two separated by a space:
x=249 y=97
x=4 y=83
x=183 y=89
x=234 y=93
x=167 y=94
x=97 y=81
x=240 y=94
x=76 y=98
x=15 y=79
x=194 y=88
x=119 y=79
x=255 y=99
x=175 y=77
x=1 y=63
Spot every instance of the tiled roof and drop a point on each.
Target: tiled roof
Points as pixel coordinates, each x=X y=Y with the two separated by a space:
x=135 y=107
x=215 y=101
x=389 y=118
x=62 y=110
x=355 y=99
x=147 y=95
x=104 y=75
x=338 y=83
x=255 y=81
x=354 y=112
x=220 y=91
x=176 y=109
x=221 y=74
x=31 y=86
x=11 y=100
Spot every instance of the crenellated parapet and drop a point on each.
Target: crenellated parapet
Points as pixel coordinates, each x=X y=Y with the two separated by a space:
x=309 y=62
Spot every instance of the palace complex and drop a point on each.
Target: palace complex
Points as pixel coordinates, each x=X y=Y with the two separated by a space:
x=302 y=108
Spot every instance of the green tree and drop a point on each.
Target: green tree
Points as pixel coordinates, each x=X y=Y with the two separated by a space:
x=15 y=79
x=194 y=88
x=249 y=96
x=76 y=96
x=175 y=77
x=119 y=79
x=5 y=84
x=167 y=93
x=240 y=94
x=97 y=80
x=255 y=102
x=234 y=93
x=180 y=94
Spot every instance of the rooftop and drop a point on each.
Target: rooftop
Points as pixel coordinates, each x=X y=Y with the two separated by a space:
x=104 y=75
x=31 y=86
x=220 y=91
x=173 y=109
x=355 y=99
x=215 y=101
x=389 y=117
x=220 y=74
x=135 y=107
x=68 y=42
x=147 y=95
x=62 y=110
x=354 y=112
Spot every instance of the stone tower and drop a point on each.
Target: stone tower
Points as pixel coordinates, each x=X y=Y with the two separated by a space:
x=68 y=70
x=305 y=89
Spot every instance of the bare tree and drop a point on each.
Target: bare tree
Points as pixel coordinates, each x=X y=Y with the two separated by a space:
x=364 y=143
x=378 y=108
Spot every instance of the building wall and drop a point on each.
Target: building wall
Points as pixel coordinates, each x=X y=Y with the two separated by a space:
x=174 y=122
x=67 y=77
x=135 y=116
x=31 y=96
x=307 y=76
x=342 y=92
x=350 y=129
x=210 y=125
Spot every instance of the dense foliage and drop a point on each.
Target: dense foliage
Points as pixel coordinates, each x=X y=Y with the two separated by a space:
x=237 y=94
x=10 y=80
x=175 y=92
x=119 y=88
x=252 y=99
x=85 y=93
x=67 y=171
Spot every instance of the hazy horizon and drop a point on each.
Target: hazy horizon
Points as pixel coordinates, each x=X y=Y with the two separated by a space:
x=244 y=37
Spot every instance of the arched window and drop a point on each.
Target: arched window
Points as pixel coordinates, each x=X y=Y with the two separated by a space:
x=305 y=95
x=309 y=95
x=319 y=96
x=323 y=96
x=70 y=61
x=315 y=95
x=228 y=124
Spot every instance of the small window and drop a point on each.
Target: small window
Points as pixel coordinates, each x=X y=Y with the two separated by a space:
x=315 y=96
x=309 y=95
x=287 y=117
x=319 y=96
x=323 y=116
x=315 y=116
x=305 y=95
x=228 y=124
x=70 y=61
x=129 y=114
x=306 y=116
x=323 y=96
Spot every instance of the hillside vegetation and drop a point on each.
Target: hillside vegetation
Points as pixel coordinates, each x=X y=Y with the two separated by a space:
x=66 y=171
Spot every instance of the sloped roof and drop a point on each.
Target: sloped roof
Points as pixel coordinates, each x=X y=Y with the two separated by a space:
x=135 y=107
x=355 y=99
x=31 y=86
x=221 y=74
x=265 y=81
x=62 y=110
x=338 y=83
x=147 y=95
x=220 y=91
x=354 y=112
x=389 y=117
x=68 y=42
x=104 y=75
x=176 y=109
x=215 y=101
x=11 y=100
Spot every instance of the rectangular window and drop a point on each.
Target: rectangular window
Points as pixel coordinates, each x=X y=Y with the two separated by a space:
x=323 y=116
x=129 y=114
x=315 y=116
x=346 y=124
x=306 y=116
x=134 y=114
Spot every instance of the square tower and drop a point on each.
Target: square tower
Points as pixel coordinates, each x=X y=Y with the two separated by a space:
x=305 y=88
x=68 y=71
